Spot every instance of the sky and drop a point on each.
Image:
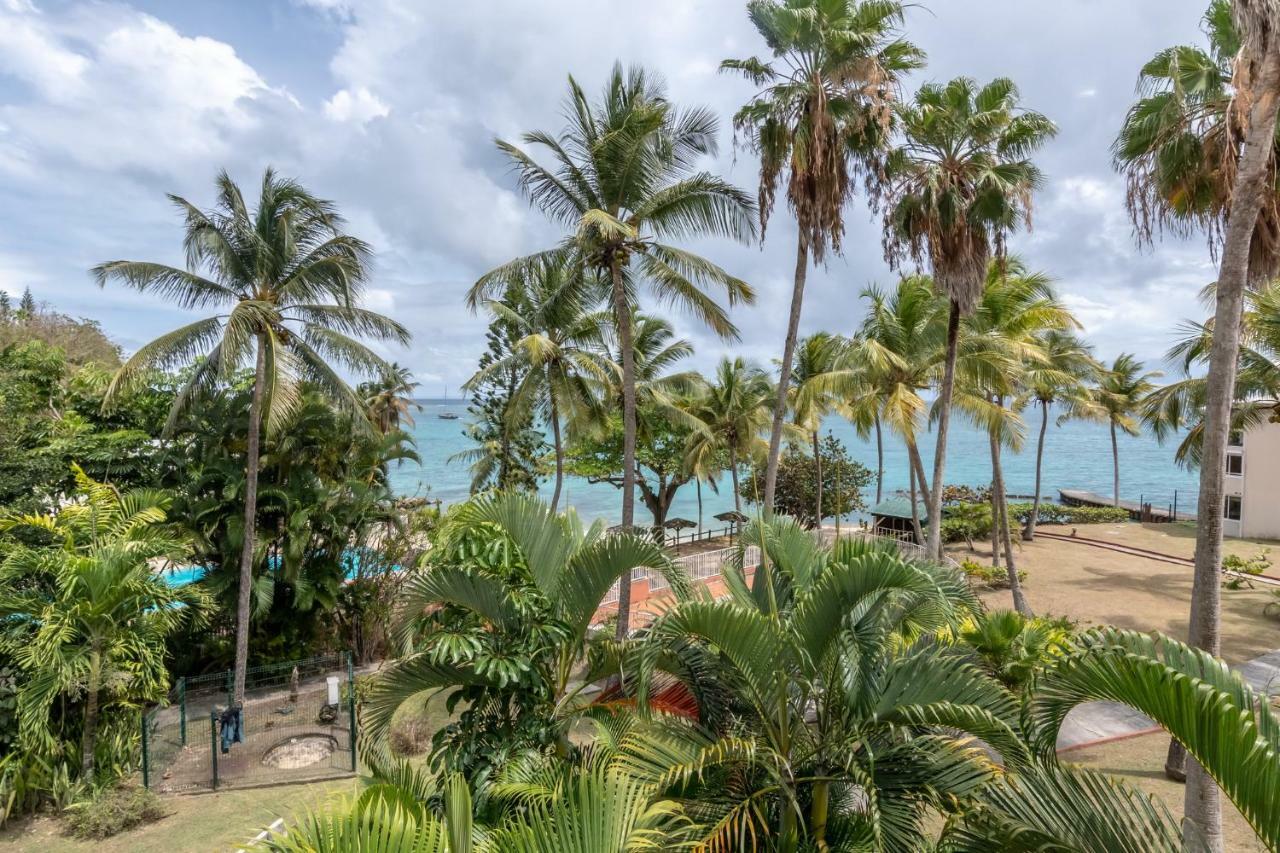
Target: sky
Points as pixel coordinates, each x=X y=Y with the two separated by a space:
x=390 y=108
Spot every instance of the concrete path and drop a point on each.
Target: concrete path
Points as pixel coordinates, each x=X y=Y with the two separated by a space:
x=1099 y=721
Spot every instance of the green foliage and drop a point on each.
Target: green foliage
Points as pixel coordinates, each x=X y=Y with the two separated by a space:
x=1060 y=514
x=509 y=446
x=323 y=494
x=1255 y=565
x=86 y=619
x=990 y=577
x=112 y=811
x=81 y=341
x=965 y=522
x=843 y=481
x=1012 y=647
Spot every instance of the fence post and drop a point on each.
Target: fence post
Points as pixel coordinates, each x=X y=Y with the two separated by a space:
x=146 y=763
x=351 y=710
x=182 y=705
x=213 y=746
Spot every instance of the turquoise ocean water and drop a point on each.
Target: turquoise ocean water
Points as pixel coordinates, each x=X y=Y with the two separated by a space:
x=1077 y=456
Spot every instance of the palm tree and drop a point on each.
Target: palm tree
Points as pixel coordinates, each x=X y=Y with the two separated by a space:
x=390 y=398
x=821 y=678
x=1119 y=399
x=622 y=182
x=822 y=118
x=730 y=414
x=89 y=615
x=1199 y=153
x=559 y=353
x=999 y=354
x=289 y=281
x=1071 y=368
x=901 y=345
x=824 y=378
x=960 y=183
x=570 y=568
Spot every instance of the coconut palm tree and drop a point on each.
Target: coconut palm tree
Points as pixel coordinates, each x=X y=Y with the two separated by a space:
x=1199 y=152
x=822 y=119
x=622 y=183
x=88 y=617
x=1071 y=368
x=1119 y=399
x=959 y=184
x=289 y=283
x=999 y=353
x=900 y=345
x=730 y=415
x=560 y=352
x=390 y=398
x=825 y=378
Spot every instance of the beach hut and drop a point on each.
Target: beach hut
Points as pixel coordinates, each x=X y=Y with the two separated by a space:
x=892 y=517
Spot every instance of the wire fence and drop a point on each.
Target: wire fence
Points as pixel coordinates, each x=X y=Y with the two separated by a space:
x=298 y=722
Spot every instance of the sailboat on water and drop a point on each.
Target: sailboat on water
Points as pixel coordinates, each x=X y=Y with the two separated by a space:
x=447 y=415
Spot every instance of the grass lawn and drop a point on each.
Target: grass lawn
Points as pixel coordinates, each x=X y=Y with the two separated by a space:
x=1140 y=762
x=194 y=822
x=1094 y=586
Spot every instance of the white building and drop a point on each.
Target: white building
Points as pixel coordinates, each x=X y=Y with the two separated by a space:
x=1251 y=504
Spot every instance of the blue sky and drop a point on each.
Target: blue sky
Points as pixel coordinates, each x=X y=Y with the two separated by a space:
x=389 y=107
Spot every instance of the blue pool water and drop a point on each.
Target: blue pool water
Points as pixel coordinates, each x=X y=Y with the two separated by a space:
x=190 y=574
x=1077 y=456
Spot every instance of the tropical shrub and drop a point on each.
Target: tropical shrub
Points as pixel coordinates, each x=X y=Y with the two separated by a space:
x=112 y=811
x=86 y=621
x=965 y=522
x=498 y=621
x=1059 y=514
x=989 y=577
x=843 y=481
x=1012 y=647
x=1255 y=565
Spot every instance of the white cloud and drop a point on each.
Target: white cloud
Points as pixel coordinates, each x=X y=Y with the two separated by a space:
x=359 y=105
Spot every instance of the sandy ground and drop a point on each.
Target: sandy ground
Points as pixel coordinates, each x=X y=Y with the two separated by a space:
x=1120 y=758
x=1094 y=586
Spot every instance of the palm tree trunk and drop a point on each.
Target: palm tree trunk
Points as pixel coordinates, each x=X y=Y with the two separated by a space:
x=733 y=468
x=913 y=457
x=1115 y=466
x=879 y=461
x=915 y=510
x=995 y=517
x=698 y=485
x=817 y=461
x=622 y=316
x=1029 y=532
x=818 y=812
x=944 y=422
x=250 y=522
x=559 y=447
x=89 y=737
x=1002 y=523
x=1203 y=805
x=784 y=378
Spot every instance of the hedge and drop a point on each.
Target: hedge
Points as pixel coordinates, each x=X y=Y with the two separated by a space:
x=1059 y=514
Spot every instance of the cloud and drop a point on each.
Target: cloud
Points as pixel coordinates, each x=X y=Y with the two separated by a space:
x=359 y=106
x=393 y=114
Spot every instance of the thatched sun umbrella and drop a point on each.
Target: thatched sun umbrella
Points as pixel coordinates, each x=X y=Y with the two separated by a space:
x=678 y=524
x=732 y=517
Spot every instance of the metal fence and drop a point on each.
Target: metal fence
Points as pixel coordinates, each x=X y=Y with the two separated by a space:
x=298 y=722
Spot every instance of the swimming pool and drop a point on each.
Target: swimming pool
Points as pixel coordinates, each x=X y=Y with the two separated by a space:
x=183 y=575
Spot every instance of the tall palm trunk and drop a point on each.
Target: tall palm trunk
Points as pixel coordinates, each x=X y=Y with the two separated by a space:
x=89 y=737
x=817 y=461
x=913 y=458
x=995 y=516
x=1029 y=532
x=915 y=509
x=1203 y=805
x=1115 y=466
x=879 y=461
x=733 y=468
x=1002 y=522
x=622 y=316
x=250 y=522
x=698 y=486
x=944 y=422
x=559 y=447
x=784 y=379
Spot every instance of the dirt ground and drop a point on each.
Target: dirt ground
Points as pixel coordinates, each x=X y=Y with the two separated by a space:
x=1094 y=586
x=1120 y=758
